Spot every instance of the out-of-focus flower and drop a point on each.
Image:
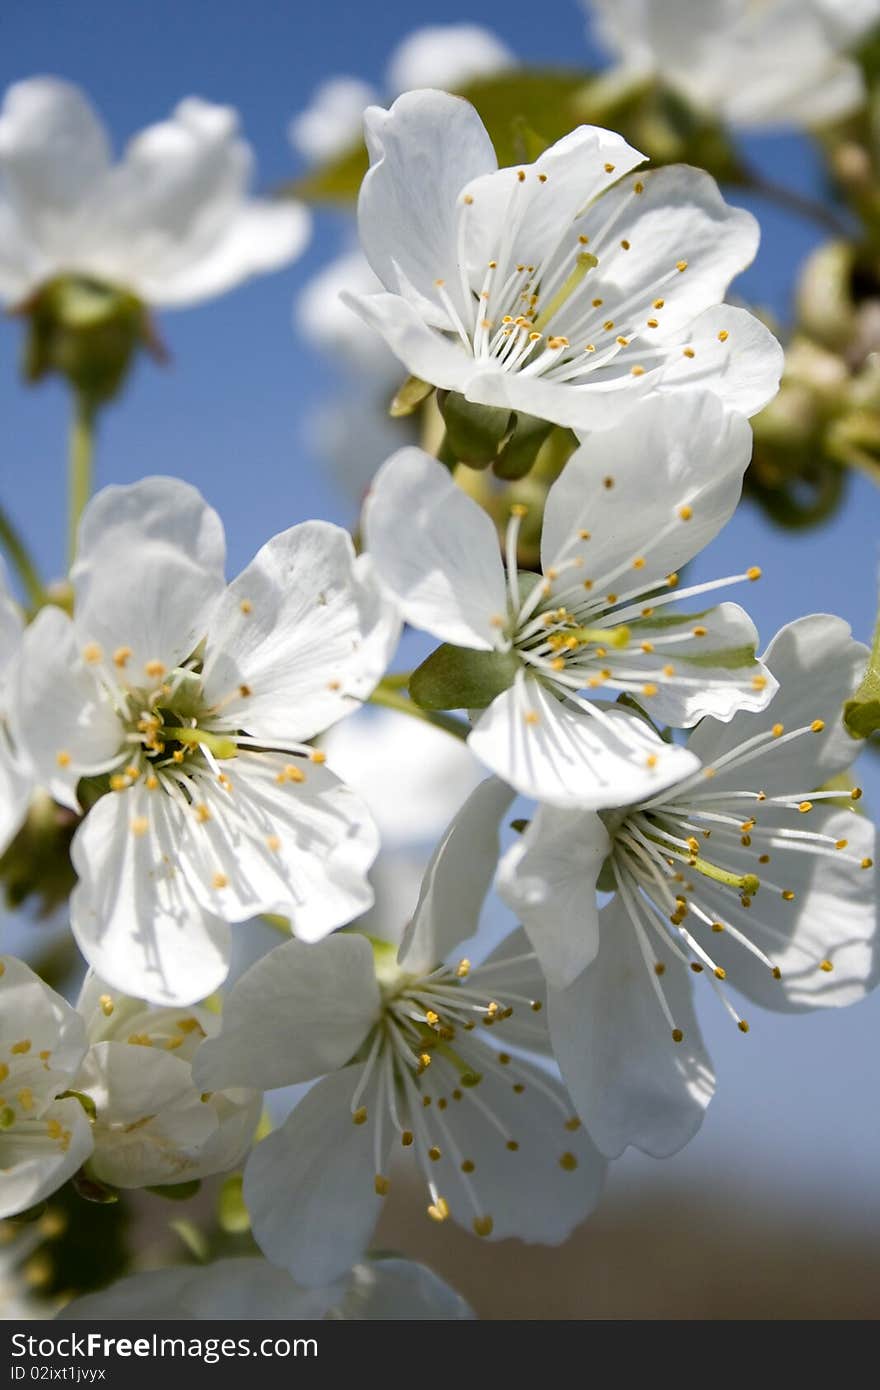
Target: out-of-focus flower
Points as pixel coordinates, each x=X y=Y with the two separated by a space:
x=152 y=1127
x=566 y=289
x=172 y=223
x=401 y=1060
x=197 y=701
x=631 y=506
x=753 y=62
x=743 y=873
x=448 y=56
x=248 y=1288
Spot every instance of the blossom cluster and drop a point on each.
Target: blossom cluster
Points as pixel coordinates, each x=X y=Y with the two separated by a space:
x=659 y=804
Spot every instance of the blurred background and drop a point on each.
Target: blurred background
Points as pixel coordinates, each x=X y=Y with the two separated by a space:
x=773 y=1211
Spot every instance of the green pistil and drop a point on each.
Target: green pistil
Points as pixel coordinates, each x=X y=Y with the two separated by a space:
x=585 y=261
x=221 y=745
x=742 y=883
x=603 y=636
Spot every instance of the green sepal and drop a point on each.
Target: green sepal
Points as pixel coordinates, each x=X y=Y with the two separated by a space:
x=177 y=1191
x=473 y=432
x=407 y=399
x=91 y=1190
x=460 y=678
x=522 y=448
x=520 y=825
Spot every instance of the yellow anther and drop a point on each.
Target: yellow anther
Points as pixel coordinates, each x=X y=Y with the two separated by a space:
x=140 y=1040
x=855 y=794
x=512 y=1145
x=26 y=1098
x=608 y=483
x=718 y=926
x=359 y=1116
x=689 y=352
x=867 y=863
x=826 y=966
x=776 y=973
x=637 y=371
x=434 y=1154
x=203 y=812
x=677 y=1035
x=681 y=266
x=608 y=325
x=439 y=1210
x=623 y=342
x=700 y=631
x=625 y=245
x=139 y=825
x=381 y=1185
x=659 y=303
x=788 y=895
x=518 y=1088
x=92 y=653
x=273 y=843
x=817 y=726
x=106 y=1004
x=219 y=881
x=638 y=187
x=484 y=1225
x=178 y=755
x=669 y=670
x=639 y=562
x=121 y=657
x=759 y=682
x=685 y=512
x=246 y=606
x=841 y=844
x=672 y=580
x=649 y=690
x=531 y=717
x=743 y=1026
x=519 y=509
x=568 y=1162
x=424 y=1060
x=651 y=760
x=720 y=973
x=63 y=758
x=805 y=806
x=753 y=573
x=155 y=669
x=778 y=730
x=119 y=782
x=659 y=968
x=723 y=335
x=152 y=782
x=292 y=773
x=462 y=970
x=406 y=1138
x=317 y=756
x=609 y=168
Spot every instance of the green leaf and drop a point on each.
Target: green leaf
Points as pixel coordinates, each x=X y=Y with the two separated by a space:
x=861 y=714
x=409 y=397
x=177 y=1191
x=513 y=106
x=459 y=678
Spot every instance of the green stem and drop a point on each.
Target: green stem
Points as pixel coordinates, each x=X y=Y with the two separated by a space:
x=82 y=444
x=393 y=699
x=20 y=558
x=397 y=680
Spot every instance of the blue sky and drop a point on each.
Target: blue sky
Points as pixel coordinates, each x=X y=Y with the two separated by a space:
x=797 y=1098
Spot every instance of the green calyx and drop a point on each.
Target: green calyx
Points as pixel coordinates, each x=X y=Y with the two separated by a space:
x=460 y=678
x=87 y=332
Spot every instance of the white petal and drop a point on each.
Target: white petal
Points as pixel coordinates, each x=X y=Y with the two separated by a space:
x=300 y=1011
x=300 y=848
x=436 y=550
x=734 y=356
x=309 y=1185
x=149 y=570
x=133 y=912
x=16 y=785
x=395 y=1290
x=720 y=665
x=548 y=878
x=667 y=454
x=568 y=177
x=423 y=151
x=62 y=716
x=569 y=757
x=424 y=351
x=629 y=1081
x=833 y=916
x=448 y=56
x=233 y=1290
x=11 y=629
x=300 y=638
x=259 y=237
x=33 y=1011
x=818 y=666
x=535 y=1191
x=29 y=1177
x=457 y=879
x=53 y=151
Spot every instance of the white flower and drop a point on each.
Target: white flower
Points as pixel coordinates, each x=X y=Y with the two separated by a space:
x=742 y=873
x=632 y=505
x=438 y=55
x=43 y=1139
x=15 y=778
x=250 y=1288
x=753 y=62
x=172 y=223
x=566 y=289
x=404 y=1062
x=152 y=1126
x=198 y=698
x=331 y=326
